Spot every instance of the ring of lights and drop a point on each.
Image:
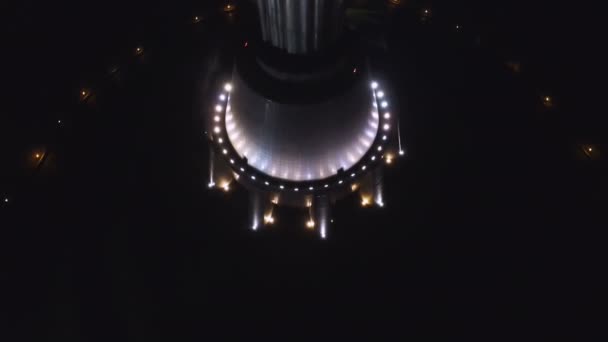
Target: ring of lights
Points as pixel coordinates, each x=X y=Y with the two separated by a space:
x=372 y=158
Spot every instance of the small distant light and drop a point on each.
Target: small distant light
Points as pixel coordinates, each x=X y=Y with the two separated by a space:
x=310 y=224
x=217 y=129
x=211 y=184
x=363 y=167
x=426 y=11
x=364 y=201
x=59 y=122
x=384 y=104
x=590 y=149
x=386 y=127
x=83 y=93
x=231 y=161
x=220 y=140
x=373 y=158
x=381 y=204
x=268 y=219
x=380 y=94
x=296 y=189
x=281 y=187
x=222 y=97
x=275 y=200
x=352 y=174
x=246 y=44
x=226 y=187
x=225 y=151
x=311 y=188
x=266 y=183
x=374 y=85
x=5 y=199
x=217 y=118
x=384 y=137
x=379 y=148
x=228 y=87
x=389 y=159
x=218 y=108
x=354 y=70
x=242 y=170
x=326 y=186
x=353 y=187
x=253 y=177
x=387 y=115
x=401 y=152
x=255 y=226
x=37 y=155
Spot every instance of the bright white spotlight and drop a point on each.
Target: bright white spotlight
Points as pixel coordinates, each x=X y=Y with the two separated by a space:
x=384 y=137
x=296 y=189
x=231 y=161
x=380 y=94
x=218 y=108
x=311 y=188
x=384 y=104
x=217 y=129
x=387 y=115
x=379 y=148
x=326 y=185
x=220 y=140
x=266 y=183
x=340 y=181
x=281 y=187
x=211 y=184
x=225 y=151
x=243 y=170
x=374 y=85
x=373 y=158
x=253 y=177
x=352 y=174
x=228 y=87
x=223 y=97
x=386 y=127
x=363 y=167
x=401 y=152
x=217 y=118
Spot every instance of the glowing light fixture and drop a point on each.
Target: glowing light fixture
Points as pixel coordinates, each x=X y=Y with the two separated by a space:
x=211 y=184
x=340 y=181
x=380 y=94
x=374 y=85
x=281 y=187
x=217 y=117
x=363 y=167
x=386 y=127
x=218 y=108
x=296 y=189
x=352 y=174
x=243 y=170
x=387 y=115
x=268 y=219
x=228 y=87
x=401 y=152
x=37 y=155
x=226 y=186
x=225 y=151
x=326 y=185
x=311 y=188
x=253 y=177
x=373 y=158
x=217 y=129
x=384 y=137
x=365 y=201
x=379 y=148
x=222 y=97
x=231 y=161
x=310 y=224
x=384 y=104
x=220 y=140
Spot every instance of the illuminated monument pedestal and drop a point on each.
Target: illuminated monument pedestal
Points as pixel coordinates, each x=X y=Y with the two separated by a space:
x=300 y=122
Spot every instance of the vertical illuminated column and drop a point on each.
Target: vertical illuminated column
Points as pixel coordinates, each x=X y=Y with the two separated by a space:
x=321 y=214
x=378 y=186
x=256 y=209
x=211 y=166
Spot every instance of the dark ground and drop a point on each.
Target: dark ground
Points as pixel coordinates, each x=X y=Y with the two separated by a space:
x=494 y=225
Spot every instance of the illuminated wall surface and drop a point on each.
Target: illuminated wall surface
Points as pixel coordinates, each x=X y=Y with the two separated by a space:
x=302 y=142
x=299 y=26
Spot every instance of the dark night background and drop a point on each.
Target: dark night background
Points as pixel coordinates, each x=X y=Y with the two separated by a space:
x=494 y=225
